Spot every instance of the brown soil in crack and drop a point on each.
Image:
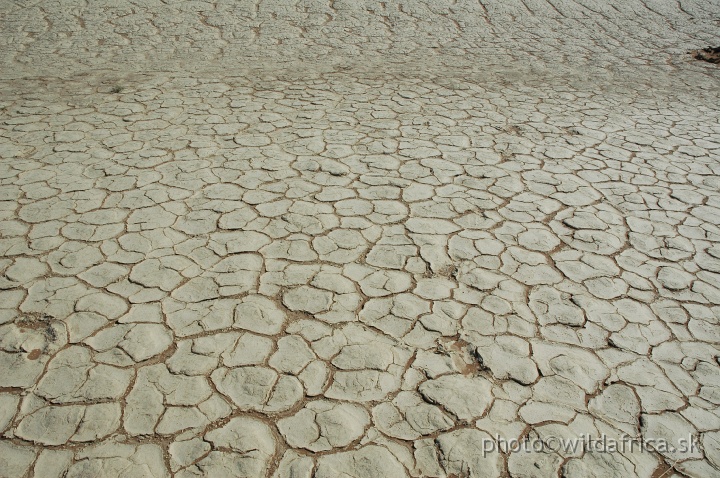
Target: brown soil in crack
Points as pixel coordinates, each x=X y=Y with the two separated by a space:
x=662 y=471
x=710 y=55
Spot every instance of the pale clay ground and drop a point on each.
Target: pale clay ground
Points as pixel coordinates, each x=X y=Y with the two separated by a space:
x=357 y=238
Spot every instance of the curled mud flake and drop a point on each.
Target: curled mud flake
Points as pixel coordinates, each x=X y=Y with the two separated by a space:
x=709 y=54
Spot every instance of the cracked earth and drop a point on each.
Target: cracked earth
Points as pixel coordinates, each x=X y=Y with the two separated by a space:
x=357 y=239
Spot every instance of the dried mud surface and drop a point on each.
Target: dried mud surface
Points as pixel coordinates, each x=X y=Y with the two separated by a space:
x=358 y=239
